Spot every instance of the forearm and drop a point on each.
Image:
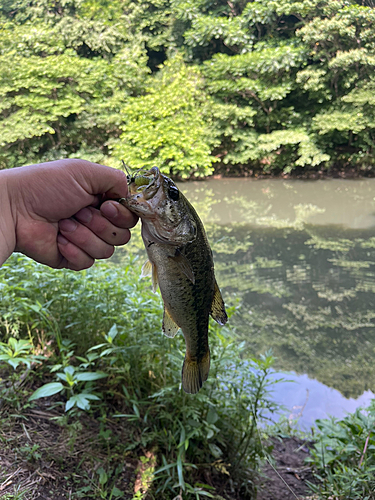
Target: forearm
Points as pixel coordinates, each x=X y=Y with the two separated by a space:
x=7 y=227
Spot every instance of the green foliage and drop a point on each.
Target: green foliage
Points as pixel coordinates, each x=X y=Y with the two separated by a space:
x=18 y=494
x=262 y=85
x=122 y=365
x=15 y=352
x=343 y=457
x=64 y=78
x=169 y=126
x=79 y=394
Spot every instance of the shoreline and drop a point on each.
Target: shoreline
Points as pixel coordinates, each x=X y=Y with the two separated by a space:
x=299 y=174
x=312 y=175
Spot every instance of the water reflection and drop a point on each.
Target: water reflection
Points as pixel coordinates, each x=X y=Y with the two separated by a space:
x=313 y=304
x=299 y=256
x=307 y=400
x=350 y=203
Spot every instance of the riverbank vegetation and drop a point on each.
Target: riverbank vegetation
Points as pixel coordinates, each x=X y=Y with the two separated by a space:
x=343 y=459
x=192 y=87
x=91 y=405
x=85 y=351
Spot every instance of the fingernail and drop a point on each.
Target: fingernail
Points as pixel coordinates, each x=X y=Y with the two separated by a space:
x=109 y=210
x=62 y=240
x=67 y=225
x=84 y=215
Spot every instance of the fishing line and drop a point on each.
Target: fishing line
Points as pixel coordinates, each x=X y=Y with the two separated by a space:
x=129 y=172
x=267 y=455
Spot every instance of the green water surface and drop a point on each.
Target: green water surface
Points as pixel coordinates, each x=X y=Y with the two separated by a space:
x=299 y=256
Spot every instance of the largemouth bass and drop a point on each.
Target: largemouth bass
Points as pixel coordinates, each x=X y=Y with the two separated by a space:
x=181 y=263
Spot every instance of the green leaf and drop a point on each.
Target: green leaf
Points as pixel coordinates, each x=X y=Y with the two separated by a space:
x=112 y=333
x=87 y=376
x=180 y=472
x=81 y=400
x=116 y=492
x=212 y=416
x=136 y=410
x=215 y=450
x=70 y=403
x=103 y=476
x=47 y=390
x=165 y=467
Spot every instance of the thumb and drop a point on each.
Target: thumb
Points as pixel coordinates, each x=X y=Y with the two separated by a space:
x=99 y=179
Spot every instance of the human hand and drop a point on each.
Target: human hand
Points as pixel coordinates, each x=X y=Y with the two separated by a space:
x=58 y=215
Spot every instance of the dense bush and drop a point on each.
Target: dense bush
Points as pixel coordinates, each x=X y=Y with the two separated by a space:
x=260 y=86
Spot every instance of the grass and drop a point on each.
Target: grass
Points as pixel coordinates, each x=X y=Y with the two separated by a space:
x=43 y=452
x=90 y=343
x=343 y=457
x=92 y=407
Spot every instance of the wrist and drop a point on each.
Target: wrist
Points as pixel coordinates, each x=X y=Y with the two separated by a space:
x=7 y=226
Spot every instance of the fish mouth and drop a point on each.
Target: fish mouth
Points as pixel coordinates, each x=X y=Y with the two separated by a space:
x=145 y=181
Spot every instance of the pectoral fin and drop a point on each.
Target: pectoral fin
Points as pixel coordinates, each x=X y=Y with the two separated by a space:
x=184 y=265
x=169 y=326
x=146 y=269
x=149 y=269
x=218 y=308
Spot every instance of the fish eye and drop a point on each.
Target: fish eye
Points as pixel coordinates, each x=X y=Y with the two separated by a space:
x=173 y=193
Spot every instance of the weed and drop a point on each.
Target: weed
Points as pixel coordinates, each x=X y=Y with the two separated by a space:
x=71 y=377
x=105 y=325
x=30 y=452
x=15 y=352
x=343 y=457
x=17 y=494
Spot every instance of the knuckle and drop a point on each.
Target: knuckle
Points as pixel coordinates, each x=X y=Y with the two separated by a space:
x=76 y=258
x=100 y=226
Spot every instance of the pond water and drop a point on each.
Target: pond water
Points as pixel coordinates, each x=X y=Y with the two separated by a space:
x=299 y=256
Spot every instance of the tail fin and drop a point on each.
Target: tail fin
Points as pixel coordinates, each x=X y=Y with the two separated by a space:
x=195 y=372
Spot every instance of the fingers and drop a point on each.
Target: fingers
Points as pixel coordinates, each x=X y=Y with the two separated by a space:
x=113 y=234
x=98 y=179
x=118 y=214
x=88 y=241
x=73 y=257
x=93 y=234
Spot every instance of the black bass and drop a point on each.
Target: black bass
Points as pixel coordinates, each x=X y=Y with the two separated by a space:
x=181 y=263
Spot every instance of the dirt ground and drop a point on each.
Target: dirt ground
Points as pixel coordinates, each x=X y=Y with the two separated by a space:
x=47 y=460
x=289 y=455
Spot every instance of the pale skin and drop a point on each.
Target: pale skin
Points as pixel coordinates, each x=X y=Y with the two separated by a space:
x=63 y=213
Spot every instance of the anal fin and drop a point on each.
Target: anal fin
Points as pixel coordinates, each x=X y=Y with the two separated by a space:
x=170 y=328
x=218 y=308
